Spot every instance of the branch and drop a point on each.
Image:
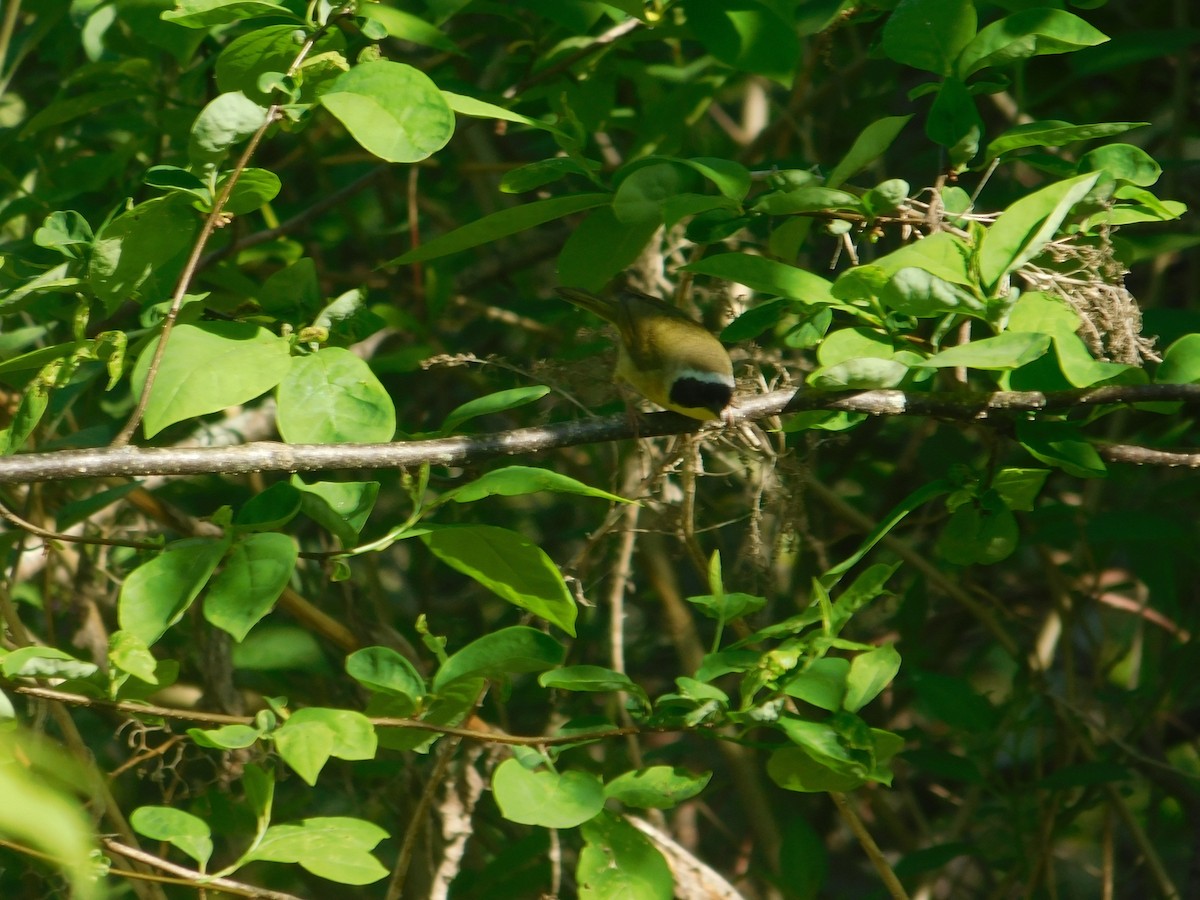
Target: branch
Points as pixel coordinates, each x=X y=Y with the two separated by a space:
x=483 y=735
x=270 y=456
x=189 y=876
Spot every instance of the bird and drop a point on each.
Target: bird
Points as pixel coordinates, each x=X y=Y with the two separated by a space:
x=662 y=353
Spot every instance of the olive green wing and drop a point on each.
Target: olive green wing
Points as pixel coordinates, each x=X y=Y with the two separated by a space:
x=647 y=325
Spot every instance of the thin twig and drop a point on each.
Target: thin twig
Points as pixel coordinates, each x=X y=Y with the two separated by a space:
x=192 y=877
x=207 y=718
x=395 y=888
x=890 y=881
x=326 y=201
x=216 y=218
x=46 y=534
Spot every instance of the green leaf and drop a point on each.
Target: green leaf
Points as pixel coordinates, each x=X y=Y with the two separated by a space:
x=641 y=196
x=978 y=535
x=918 y=292
x=256 y=570
x=70 y=108
x=542 y=172
x=656 y=787
x=870 y=144
x=618 y=861
x=887 y=196
x=392 y=110
x=205 y=13
x=747 y=36
x=34 y=402
x=1044 y=313
x=209 y=367
x=340 y=507
x=509 y=651
x=864 y=374
x=601 y=246
x=509 y=565
x=140 y=252
x=333 y=397
x=870 y=673
x=795 y=769
x=929 y=34
x=270 y=509
x=501 y=224
x=1181 y=362
x=593 y=679
x=1083 y=370
x=1030 y=32
x=1019 y=488
x=311 y=736
x=756 y=320
x=44 y=662
x=731 y=178
x=853 y=343
x=254 y=190
x=1060 y=444
x=469 y=106
x=1124 y=162
x=129 y=653
x=497 y=402
x=822 y=683
x=811 y=198
x=955 y=123
x=1052 y=133
x=386 y=671
x=353 y=733
x=407 y=27
x=942 y=254
x=227 y=737
x=867 y=587
x=544 y=798
x=269 y=49
x=915 y=500
x=1004 y=351
x=727 y=606
x=178 y=828
x=226 y=120
x=825 y=744
x=39 y=784
x=765 y=275
x=157 y=593
x=1022 y=230
x=514 y=481
x=335 y=848
x=64 y=232
x=173 y=178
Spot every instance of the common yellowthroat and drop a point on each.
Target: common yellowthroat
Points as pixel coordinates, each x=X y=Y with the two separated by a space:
x=663 y=354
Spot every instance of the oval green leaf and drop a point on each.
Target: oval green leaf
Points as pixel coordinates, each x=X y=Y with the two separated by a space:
x=545 y=798
x=509 y=651
x=392 y=110
x=510 y=565
x=207 y=368
x=333 y=397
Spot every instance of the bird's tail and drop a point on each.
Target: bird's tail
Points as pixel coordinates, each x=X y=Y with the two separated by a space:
x=593 y=304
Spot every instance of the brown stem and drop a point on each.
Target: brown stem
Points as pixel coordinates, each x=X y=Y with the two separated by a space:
x=894 y=888
x=216 y=218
